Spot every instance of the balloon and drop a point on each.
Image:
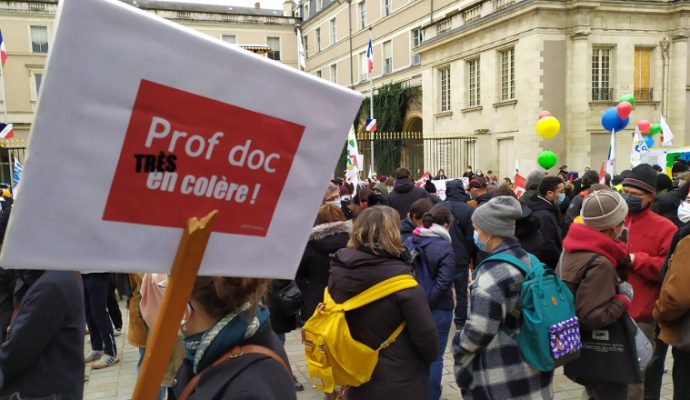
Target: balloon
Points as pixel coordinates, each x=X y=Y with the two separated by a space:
x=548 y=127
x=655 y=129
x=649 y=141
x=643 y=125
x=547 y=159
x=624 y=109
x=544 y=114
x=629 y=98
x=612 y=122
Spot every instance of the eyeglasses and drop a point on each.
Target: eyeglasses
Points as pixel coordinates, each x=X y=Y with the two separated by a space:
x=633 y=194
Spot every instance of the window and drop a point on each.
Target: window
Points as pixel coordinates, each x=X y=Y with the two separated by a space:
x=36 y=81
x=387 y=57
x=318 y=39
x=319 y=5
x=232 y=39
x=444 y=85
x=39 y=39
x=474 y=91
x=306 y=11
x=387 y=7
x=274 y=44
x=643 y=89
x=364 y=63
x=334 y=35
x=601 y=74
x=417 y=39
x=318 y=73
x=334 y=73
x=508 y=74
x=305 y=41
x=362 y=8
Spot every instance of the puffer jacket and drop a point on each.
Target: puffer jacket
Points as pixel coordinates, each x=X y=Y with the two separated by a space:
x=488 y=364
x=402 y=372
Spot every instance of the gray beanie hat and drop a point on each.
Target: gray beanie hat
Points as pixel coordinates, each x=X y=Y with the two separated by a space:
x=497 y=217
x=603 y=209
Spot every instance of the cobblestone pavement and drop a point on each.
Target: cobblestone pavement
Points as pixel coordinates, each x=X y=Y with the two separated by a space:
x=117 y=382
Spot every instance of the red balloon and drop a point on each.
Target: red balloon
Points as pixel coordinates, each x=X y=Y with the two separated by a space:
x=644 y=126
x=544 y=114
x=624 y=109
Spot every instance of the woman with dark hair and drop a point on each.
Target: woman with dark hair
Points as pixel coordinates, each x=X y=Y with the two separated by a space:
x=440 y=175
x=414 y=218
x=374 y=254
x=432 y=243
x=232 y=352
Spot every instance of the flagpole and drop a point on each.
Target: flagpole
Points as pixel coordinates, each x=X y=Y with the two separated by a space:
x=371 y=109
x=4 y=95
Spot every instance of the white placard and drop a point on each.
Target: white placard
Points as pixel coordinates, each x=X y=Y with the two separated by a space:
x=126 y=93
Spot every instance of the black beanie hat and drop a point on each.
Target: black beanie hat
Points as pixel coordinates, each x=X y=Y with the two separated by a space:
x=663 y=182
x=642 y=177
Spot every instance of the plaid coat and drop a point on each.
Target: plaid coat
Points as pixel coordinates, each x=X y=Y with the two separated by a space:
x=488 y=364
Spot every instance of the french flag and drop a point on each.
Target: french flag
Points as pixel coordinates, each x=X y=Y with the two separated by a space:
x=370 y=57
x=371 y=125
x=6 y=131
x=3 y=52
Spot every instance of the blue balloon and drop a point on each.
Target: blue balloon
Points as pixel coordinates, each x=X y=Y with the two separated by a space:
x=649 y=141
x=612 y=122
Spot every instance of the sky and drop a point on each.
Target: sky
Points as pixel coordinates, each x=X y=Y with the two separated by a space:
x=271 y=4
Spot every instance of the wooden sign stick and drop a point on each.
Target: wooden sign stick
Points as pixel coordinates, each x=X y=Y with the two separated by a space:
x=183 y=274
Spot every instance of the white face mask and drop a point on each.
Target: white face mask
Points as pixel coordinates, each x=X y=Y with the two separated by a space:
x=684 y=212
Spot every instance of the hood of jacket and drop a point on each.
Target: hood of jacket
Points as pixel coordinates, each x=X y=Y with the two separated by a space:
x=534 y=179
x=403 y=185
x=329 y=237
x=407 y=227
x=527 y=224
x=583 y=238
x=435 y=231
x=538 y=203
x=455 y=191
x=483 y=199
x=353 y=271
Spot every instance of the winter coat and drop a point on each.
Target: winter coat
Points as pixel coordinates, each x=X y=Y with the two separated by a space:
x=50 y=319
x=649 y=238
x=402 y=372
x=407 y=227
x=5 y=217
x=674 y=300
x=281 y=322
x=488 y=364
x=440 y=259
x=250 y=376
x=549 y=218
x=7 y=282
x=528 y=233
x=483 y=199
x=312 y=274
x=138 y=331
x=532 y=186
x=595 y=286
x=666 y=205
x=462 y=230
x=404 y=194
x=574 y=210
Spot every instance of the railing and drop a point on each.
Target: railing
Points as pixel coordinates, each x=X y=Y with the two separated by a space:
x=602 y=94
x=501 y=4
x=644 y=94
x=37 y=7
x=443 y=26
x=472 y=14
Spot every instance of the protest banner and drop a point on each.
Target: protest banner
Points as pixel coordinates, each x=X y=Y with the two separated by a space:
x=131 y=140
x=441 y=188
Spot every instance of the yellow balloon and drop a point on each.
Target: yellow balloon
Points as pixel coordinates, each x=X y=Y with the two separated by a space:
x=548 y=127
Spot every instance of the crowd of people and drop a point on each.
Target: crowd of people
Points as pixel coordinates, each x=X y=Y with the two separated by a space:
x=621 y=245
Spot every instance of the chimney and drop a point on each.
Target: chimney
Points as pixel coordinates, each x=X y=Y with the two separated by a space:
x=257 y=5
x=288 y=8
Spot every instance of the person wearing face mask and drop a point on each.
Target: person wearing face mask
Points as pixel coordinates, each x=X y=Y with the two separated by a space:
x=674 y=300
x=649 y=237
x=488 y=364
x=231 y=351
x=545 y=208
x=594 y=266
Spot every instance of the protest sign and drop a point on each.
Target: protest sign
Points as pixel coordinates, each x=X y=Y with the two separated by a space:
x=441 y=188
x=132 y=138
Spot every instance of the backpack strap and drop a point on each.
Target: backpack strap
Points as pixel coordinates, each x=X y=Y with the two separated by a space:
x=510 y=259
x=235 y=352
x=379 y=291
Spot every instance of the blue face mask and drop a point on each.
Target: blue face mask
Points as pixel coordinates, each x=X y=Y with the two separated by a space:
x=560 y=199
x=191 y=344
x=481 y=246
x=634 y=203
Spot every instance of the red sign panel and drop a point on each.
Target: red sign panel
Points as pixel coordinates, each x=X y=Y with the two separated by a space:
x=185 y=155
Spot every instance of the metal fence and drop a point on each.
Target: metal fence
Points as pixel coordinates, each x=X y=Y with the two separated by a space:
x=451 y=152
x=8 y=157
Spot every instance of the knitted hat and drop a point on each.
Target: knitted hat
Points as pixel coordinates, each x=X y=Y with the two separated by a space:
x=679 y=166
x=603 y=209
x=642 y=177
x=497 y=217
x=477 y=183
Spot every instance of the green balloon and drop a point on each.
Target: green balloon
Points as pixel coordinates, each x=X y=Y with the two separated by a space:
x=655 y=129
x=629 y=98
x=547 y=159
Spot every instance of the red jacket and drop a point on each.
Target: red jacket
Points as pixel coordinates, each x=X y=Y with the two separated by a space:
x=649 y=237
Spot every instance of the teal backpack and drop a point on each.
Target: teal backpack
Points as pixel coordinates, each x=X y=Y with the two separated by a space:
x=549 y=333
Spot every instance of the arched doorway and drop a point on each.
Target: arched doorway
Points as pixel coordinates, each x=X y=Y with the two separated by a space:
x=412 y=154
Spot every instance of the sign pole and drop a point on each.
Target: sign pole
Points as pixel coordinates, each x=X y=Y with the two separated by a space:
x=190 y=253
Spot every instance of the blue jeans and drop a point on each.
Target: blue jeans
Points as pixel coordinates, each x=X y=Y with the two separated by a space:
x=443 y=319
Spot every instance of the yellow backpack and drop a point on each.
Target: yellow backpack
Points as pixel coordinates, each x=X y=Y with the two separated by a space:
x=334 y=358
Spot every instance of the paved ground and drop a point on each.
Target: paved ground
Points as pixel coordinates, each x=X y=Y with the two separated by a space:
x=117 y=382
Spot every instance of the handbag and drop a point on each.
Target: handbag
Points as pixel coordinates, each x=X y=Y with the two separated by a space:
x=684 y=333
x=290 y=299
x=643 y=347
x=608 y=354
